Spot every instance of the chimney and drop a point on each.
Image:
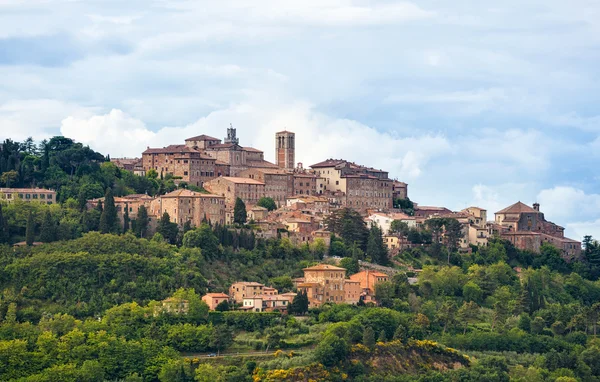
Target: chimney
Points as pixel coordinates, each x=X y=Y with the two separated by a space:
x=536 y=206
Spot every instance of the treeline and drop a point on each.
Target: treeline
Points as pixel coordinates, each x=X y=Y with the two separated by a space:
x=72 y=169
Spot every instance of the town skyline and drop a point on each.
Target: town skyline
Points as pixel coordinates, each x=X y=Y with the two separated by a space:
x=404 y=87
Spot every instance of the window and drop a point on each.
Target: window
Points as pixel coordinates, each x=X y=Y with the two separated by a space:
x=42 y=196
x=35 y=196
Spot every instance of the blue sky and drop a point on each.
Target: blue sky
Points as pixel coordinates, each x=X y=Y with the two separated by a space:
x=470 y=103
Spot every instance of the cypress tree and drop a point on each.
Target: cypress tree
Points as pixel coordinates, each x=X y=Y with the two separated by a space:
x=108 y=219
x=369 y=338
x=239 y=212
x=30 y=230
x=4 y=236
x=141 y=223
x=375 y=247
x=48 y=229
x=126 y=219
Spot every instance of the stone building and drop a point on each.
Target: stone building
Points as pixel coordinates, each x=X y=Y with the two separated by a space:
x=185 y=205
x=528 y=229
x=203 y=158
x=361 y=187
x=353 y=291
x=384 y=220
x=128 y=164
x=249 y=190
x=368 y=280
x=185 y=163
x=285 y=145
x=214 y=299
x=277 y=182
x=304 y=183
x=39 y=195
x=244 y=289
x=324 y=283
x=399 y=190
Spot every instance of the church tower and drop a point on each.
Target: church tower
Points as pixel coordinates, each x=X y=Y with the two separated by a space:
x=285 y=145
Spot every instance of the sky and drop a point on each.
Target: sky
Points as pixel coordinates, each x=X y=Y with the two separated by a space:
x=469 y=102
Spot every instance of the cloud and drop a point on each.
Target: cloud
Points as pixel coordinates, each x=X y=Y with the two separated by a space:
x=318 y=136
x=580 y=229
x=568 y=203
x=39 y=118
x=53 y=50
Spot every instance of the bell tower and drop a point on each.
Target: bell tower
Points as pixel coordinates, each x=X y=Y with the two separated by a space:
x=285 y=145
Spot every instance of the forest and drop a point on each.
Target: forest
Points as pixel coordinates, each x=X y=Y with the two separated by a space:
x=87 y=305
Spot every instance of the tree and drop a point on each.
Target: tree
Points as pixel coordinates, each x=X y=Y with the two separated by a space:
x=468 y=313
x=382 y=337
x=239 y=212
x=351 y=265
x=267 y=203
x=375 y=247
x=141 y=223
x=108 y=219
x=48 y=228
x=399 y=227
x=331 y=350
x=204 y=238
x=349 y=225
x=221 y=338
x=30 y=230
x=369 y=338
x=167 y=229
x=4 y=234
x=223 y=306
x=126 y=219
x=299 y=304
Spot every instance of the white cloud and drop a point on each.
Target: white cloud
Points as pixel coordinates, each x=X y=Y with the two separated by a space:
x=39 y=118
x=578 y=230
x=569 y=203
x=318 y=136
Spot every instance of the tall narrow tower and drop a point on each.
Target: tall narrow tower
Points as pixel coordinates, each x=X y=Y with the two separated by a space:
x=285 y=144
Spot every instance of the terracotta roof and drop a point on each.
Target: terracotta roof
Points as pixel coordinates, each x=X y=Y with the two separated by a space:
x=271 y=171
x=372 y=273
x=258 y=208
x=250 y=283
x=171 y=149
x=188 y=193
x=213 y=295
x=237 y=180
x=251 y=149
x=203 y=138
x=223 y=146
x=26 y=190
x=261 y=163
x=324 y=267
x=329 y=163
x=517 y=208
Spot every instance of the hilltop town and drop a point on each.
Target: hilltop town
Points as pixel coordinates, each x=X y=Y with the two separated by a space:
x=208 y=247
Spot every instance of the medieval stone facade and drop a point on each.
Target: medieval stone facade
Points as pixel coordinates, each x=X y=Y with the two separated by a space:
x=285 y=145
x=528 y=229
x=184 y=205
x=277 y=182
x=249 y=190
x=360 y=187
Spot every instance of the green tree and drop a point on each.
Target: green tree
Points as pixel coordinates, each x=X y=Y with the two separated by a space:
x=126 y=219
x=204 y=238
x=351 y=265
x=4 y=234
x=222 y=338
x=239 y=212
x=223 y=306
x=299 y=305
x=167 y=229
x=108 y=219
x=267 y=203
x=399 y=227
x=375 y=247
x=141 y=223
x=467 y=314
x=349 y=225
x=48 y=228
x=30 y=230
x=382 y=337
x=331 y=350
x=369 y=337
